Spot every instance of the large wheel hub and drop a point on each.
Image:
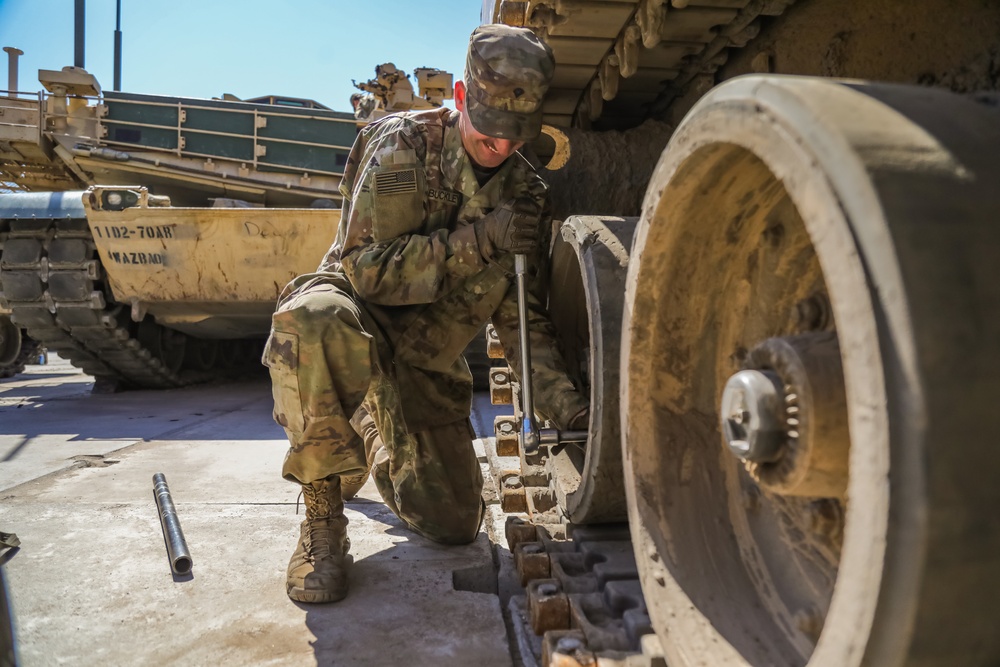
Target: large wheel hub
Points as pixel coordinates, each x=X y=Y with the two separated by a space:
x=785 y=416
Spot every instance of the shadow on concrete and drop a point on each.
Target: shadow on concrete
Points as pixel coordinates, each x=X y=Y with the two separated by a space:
x=8 y=555
x=332 y=623
x=29 y=412
x=42 y=376
x=15 y=450
x=340 y=627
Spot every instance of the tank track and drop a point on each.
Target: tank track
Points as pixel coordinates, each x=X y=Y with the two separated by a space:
x=582 y=602
x=736 y=35
x=54 y=284
x=716 y=41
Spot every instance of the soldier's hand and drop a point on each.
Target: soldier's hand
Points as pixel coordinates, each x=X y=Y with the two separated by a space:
x=513 y=227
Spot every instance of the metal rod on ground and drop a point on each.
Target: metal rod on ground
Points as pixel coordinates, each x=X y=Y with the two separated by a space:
x=529 y=433
x=177 y=551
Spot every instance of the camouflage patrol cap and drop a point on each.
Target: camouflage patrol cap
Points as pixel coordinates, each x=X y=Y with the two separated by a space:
x=507 y=73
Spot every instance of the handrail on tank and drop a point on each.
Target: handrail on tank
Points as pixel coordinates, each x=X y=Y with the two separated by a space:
x=187 y=153
x=216 y=133
x=22 y=96
x=17 y=94
x=181 y=130
x=275 y=114
x=257 y=163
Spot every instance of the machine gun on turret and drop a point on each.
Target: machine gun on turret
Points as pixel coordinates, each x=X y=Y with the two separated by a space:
x=391 y=90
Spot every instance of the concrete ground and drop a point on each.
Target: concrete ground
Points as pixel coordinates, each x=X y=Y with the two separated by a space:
x=91 y=585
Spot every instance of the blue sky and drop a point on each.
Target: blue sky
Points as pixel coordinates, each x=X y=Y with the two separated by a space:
x=203 y=48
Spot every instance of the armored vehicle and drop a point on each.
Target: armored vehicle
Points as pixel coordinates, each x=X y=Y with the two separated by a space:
x=146 y=238
x=783 y=294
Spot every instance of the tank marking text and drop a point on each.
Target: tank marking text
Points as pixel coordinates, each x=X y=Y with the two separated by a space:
x=136 y=257
x=140 y=232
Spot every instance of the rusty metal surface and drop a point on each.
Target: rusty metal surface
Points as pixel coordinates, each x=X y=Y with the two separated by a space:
x=505 y=431
x=512 y=496
x=494 y=349
x=548 y=606
x=501 y=392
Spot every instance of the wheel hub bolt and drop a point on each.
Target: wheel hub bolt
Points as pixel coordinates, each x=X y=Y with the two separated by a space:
x=753 y=417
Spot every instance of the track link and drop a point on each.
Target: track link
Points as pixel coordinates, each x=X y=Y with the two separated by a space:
x=582 y=601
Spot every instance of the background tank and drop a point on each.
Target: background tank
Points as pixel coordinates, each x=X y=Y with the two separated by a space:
x=199 y=211
x=808 y=320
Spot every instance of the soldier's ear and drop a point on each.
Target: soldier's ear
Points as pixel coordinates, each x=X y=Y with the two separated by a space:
x=460 y=95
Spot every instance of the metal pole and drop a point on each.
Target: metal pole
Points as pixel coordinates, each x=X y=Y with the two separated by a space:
x=529 y=432
x=118 y=48
x=80 y=25
x=531 y=436
x=12 y=56
x=177 y=551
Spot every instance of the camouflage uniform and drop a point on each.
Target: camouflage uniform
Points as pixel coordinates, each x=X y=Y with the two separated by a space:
x=399 y=296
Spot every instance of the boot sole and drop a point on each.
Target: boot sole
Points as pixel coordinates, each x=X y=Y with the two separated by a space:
x=318 y=597
x=314 y=597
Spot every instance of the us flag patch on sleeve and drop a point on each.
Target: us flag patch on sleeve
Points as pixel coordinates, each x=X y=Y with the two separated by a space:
x=396 y=182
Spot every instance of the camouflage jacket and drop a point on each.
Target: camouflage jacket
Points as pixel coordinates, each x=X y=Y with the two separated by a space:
x=408 y=187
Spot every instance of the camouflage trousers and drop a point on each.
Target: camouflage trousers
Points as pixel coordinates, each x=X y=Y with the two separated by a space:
x=325 y=364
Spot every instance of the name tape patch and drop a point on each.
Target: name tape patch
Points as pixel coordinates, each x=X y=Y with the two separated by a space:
x=396 y=182
x=447 y=196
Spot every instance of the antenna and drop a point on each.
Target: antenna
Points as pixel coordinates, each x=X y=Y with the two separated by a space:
x=118 y=48
x=80 y=25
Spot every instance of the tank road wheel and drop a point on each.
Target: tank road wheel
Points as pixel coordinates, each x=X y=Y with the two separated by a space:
x=10 y=341
x=228 y=356
x=17 y=349
x=589 y=264
x=165 y=344
x=201 y=354
x=811 y=328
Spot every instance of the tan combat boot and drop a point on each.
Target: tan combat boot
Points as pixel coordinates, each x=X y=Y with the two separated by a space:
x=317 y=571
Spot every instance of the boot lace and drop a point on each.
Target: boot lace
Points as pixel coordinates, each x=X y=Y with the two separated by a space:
x=317 y=500
x=320 y=537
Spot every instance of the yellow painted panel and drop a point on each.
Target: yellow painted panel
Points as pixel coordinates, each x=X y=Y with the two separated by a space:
x=209 y=254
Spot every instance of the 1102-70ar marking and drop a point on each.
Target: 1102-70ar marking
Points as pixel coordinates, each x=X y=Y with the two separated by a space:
x=138 y=232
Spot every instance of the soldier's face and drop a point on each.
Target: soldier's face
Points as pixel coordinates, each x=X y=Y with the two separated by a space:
x=486 y=151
